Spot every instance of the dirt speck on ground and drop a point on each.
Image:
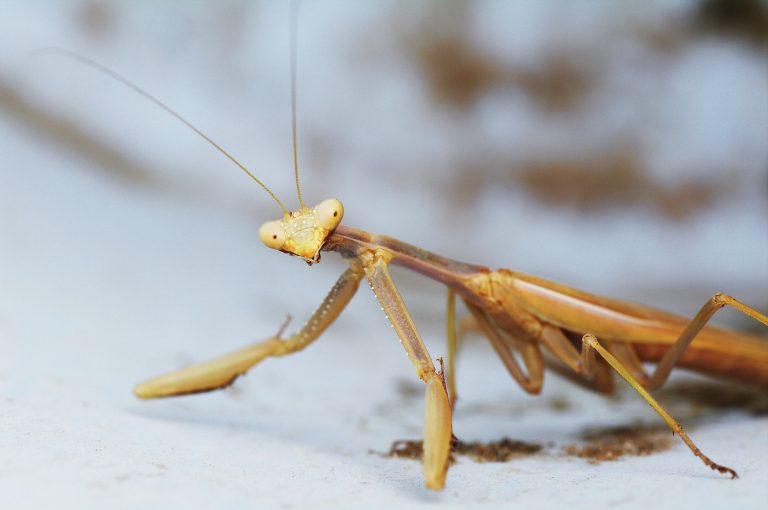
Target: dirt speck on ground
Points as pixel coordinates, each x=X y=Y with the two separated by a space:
x=600 y=445
x=406 y=449
x=503 y=450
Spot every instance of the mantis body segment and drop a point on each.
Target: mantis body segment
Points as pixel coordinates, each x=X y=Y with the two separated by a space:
x=545 y=324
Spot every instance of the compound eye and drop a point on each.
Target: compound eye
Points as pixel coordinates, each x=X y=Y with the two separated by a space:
x=329 y=213
x=272 y=234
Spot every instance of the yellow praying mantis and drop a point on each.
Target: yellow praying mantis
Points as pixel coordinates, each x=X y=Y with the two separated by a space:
x=545 y=324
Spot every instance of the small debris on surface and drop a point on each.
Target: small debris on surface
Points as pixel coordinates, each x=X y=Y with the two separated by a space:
x=609 y=444
x=406 y=449
x=503 y=450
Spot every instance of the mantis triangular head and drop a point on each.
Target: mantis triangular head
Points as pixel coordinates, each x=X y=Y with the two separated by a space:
x=303 y=232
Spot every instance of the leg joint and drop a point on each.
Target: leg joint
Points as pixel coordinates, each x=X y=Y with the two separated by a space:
x=720 y=299
x=589 y=339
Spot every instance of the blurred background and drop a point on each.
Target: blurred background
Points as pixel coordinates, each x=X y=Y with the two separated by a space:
x=620 y=148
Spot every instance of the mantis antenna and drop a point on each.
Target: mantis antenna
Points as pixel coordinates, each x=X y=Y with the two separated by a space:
x=294 y=20
x=125 y=81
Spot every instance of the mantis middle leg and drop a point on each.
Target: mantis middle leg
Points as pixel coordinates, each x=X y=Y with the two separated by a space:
x=454 y=339
x=505 y=347
x=450 y=329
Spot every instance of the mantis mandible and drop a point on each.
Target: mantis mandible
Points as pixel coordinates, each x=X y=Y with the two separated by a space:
x=582 y=336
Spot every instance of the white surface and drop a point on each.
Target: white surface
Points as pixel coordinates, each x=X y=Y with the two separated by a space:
x=103 y=284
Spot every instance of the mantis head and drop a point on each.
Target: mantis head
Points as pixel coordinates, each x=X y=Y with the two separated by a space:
x=303 y=232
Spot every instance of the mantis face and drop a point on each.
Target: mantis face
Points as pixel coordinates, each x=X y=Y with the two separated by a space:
x=303 y=232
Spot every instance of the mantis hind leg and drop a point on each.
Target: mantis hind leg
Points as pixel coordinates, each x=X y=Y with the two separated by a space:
x=590 y=345
x=558 y=344
x=624 y=361
x=222 y=371
x=715 y=303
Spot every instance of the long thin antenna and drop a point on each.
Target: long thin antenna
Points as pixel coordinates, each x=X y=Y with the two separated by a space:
x=294 y=20
x=125 y=81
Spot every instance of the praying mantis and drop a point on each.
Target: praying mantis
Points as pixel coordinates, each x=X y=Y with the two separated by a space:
x=542 y=323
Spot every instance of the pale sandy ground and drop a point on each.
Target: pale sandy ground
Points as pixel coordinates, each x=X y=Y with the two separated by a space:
x=104 y=283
